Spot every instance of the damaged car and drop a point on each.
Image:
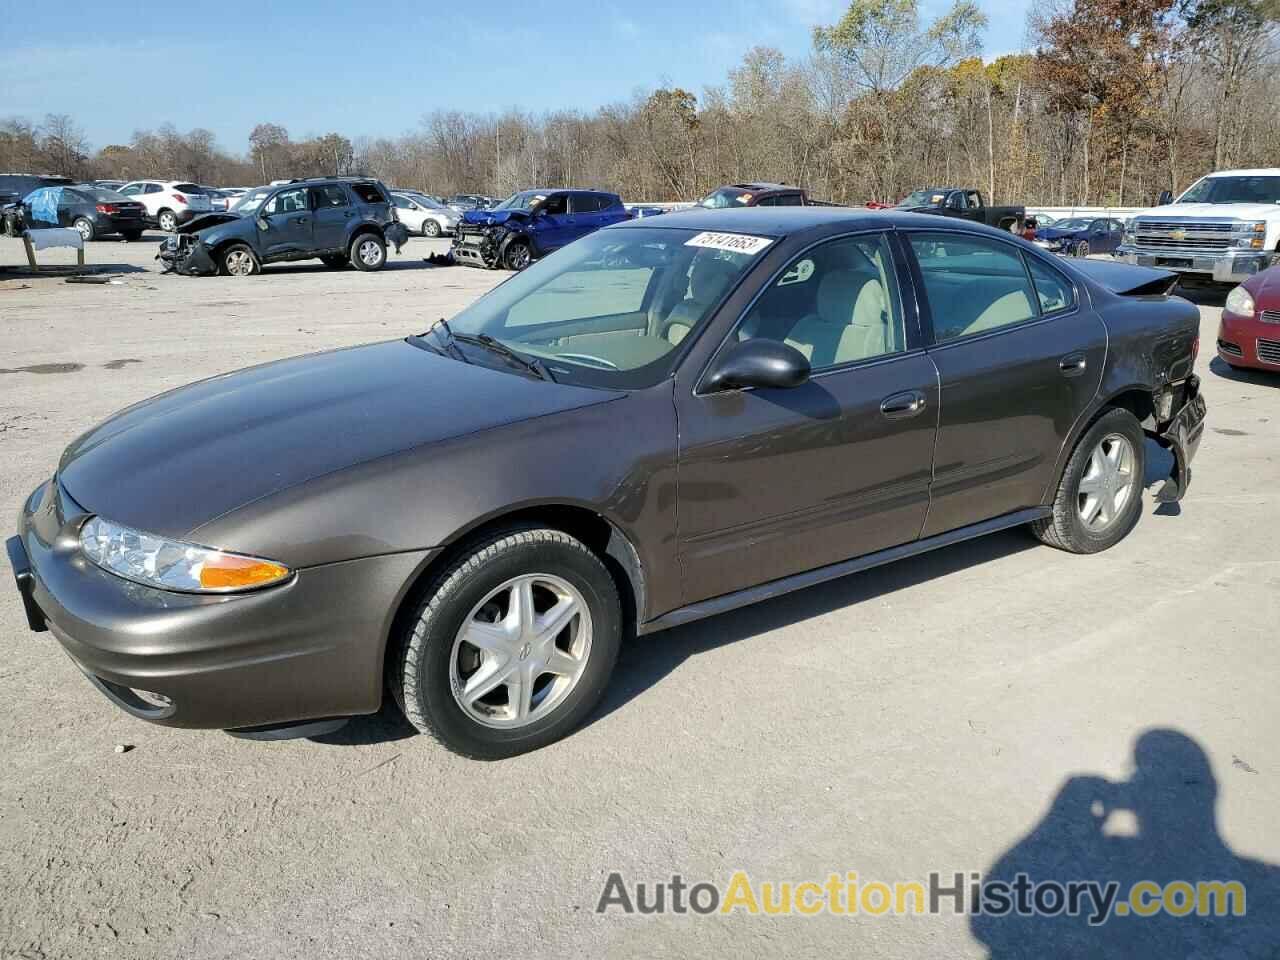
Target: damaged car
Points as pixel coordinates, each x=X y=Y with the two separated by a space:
x=669 y=419
x=338 y=220
x=531 y=224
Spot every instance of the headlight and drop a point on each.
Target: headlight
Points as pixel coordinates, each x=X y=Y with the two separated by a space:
x=1240 y=303
x=1251 y=234
x=171 y=564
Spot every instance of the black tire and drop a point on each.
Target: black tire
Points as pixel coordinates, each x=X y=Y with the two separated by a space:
x=1082 y=248
x=85 y=227
x=167 y=221
x=232 y=260
x=517 y=256
x=430 y=228
x=420 y=669
x=335 y=261
x=1066 y=528
x=362 y=256
x=133 y=236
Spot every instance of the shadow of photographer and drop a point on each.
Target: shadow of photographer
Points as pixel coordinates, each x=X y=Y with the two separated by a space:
x=1158 y=826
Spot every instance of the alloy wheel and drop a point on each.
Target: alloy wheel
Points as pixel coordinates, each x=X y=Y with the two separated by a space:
x=521 y=651
x=1083 y=249
x=239 y=263
x=168 y=222
x=370 y=253
x=85 y=229
x=1107 y=484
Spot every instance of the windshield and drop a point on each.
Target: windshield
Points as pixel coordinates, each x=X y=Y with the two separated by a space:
x=726 y=197
x=1075 y=224
x=517 y=201
x=610 y=309
x=250 y=201
x=1234 y=190
x=923 y=198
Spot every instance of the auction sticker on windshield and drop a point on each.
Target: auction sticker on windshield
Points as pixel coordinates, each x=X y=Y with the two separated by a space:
x=732 y=242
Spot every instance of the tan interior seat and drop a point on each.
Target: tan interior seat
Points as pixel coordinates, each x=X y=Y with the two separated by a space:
x=1013 y=307
x=852 y=321
x=707 y=281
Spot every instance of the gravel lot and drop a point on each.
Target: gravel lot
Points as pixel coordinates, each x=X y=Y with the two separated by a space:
x=919 y=717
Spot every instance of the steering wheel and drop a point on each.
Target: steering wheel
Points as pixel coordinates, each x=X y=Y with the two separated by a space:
x=598 y=361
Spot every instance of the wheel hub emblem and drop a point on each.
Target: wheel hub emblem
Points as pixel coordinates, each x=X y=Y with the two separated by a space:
x=524 y=652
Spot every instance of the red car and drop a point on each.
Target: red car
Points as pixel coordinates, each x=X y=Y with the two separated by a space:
x=1249 y=335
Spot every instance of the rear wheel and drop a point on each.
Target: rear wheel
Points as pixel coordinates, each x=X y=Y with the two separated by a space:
x=238 y=260
x=368 y=252
x=430 y=228
x=513 y=646
x=84 y=226
x=1099 y=497
x=168 y=221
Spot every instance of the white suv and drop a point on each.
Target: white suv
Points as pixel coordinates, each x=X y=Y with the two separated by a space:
x=168 y=202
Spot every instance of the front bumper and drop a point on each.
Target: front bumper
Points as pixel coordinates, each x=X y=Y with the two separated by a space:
x=1249 y=342
x=184 y=253
x=1221 y=266
x=307 y=649
x=478 y=247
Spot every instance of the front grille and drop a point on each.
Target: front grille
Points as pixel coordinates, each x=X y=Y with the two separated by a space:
x=1269 y=351
x=1226 y=346
x=1269 y=316
x=1191 y=235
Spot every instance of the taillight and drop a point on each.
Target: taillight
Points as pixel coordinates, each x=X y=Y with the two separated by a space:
x=180 y=198
x=106 y=208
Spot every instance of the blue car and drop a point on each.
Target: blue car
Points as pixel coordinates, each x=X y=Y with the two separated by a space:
x=531 y=224
x=1081 y=236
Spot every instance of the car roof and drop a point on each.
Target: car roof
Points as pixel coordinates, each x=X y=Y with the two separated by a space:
x=789 y=221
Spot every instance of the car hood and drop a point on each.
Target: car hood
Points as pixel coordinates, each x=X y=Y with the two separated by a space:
x=1214 y=211
x=177 y=461
x=488 y=217
x=208 y=220
x=1052 y=233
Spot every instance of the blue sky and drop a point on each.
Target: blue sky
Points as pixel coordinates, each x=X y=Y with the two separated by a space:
x=375 y=69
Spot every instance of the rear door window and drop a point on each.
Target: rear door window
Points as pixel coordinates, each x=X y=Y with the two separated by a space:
x=1054 y=291
x=330 y=195
x=586 y=203
x=974 y=285
x=368 y=192
x=151 y=188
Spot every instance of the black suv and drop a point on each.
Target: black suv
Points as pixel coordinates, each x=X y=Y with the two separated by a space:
x=338 y=220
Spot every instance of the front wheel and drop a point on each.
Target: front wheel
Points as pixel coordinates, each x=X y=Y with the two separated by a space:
x=84 y=227
x=513 y=646
x=168 y=221
x=368 y=252
x=1082 y=249
x=518 y=256
x=430 y=229
x=238 y=260
x=1099 y=496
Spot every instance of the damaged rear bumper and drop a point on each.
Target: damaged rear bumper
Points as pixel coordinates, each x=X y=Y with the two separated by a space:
x=1181 y=434
x=184 y=253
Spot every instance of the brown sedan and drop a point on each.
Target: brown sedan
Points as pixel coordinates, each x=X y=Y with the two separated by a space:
x=667 y=419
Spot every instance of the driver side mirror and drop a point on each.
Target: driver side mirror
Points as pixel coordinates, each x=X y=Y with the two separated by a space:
x=263 y=223
x=1166 y=197
x=758 y=363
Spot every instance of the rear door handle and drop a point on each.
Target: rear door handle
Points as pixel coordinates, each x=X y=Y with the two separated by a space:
x=1073 y=364
x=899 y=406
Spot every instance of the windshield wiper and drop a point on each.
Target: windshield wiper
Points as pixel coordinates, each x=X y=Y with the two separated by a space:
x=450 y=347
x=532 y=364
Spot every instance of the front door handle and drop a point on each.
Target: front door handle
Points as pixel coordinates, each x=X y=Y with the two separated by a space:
x=899 y=406
x=1073 y=364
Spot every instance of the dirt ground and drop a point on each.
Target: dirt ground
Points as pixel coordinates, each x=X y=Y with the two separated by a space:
x=934 y=715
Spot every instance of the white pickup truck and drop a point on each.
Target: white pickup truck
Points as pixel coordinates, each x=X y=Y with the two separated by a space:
x=1224 y=228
